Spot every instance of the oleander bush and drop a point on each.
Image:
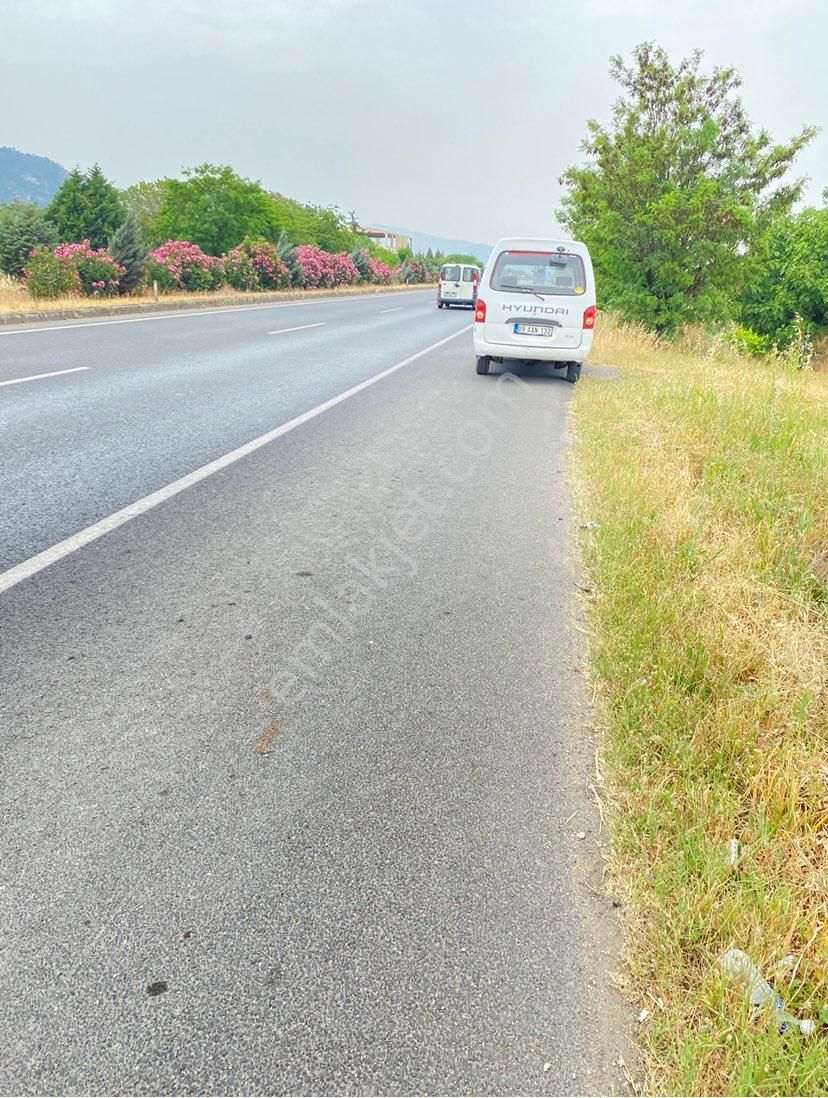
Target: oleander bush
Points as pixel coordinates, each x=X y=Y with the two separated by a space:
x=70 y=270
x=255 y=265
x=180 y=265
x=48 y=276
x=98 y=273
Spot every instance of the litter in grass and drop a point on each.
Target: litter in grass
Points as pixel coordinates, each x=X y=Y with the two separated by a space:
x=733 y=853
x=739 y=967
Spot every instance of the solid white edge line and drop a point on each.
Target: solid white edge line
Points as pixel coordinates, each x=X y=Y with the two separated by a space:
x=37 y=563
x=301 y=328
x=396 y=309
x=37 y=377
x=184 y=313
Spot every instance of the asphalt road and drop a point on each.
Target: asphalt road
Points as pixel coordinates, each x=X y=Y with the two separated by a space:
x=294 y=754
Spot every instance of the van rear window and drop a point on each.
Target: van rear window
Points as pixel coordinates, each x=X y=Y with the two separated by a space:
x=451 y=274
x=469 y=274
x=557 y=273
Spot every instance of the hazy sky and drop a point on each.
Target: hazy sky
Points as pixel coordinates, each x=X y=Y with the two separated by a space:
x=448 y=116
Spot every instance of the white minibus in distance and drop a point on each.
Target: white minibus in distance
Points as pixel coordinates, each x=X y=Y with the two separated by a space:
x=458 y=285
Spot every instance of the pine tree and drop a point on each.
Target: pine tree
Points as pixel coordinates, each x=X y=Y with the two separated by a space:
x=104 y=211
x=87 y=207
x=429 y=255
x=67 y=211
x=362 y=262
x=128 y=247
x=23 y=227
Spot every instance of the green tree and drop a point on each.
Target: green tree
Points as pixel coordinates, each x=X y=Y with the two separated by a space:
x=67 y=210
x=129 y=248
x=86 y=207
x=677 y=189
x=216 y=208
x=144 y=200
x=459 y=257
x=790 y=279
x=104 y=211
x=23 y=227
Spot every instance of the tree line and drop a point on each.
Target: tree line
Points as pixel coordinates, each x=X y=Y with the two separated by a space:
x=211 y=207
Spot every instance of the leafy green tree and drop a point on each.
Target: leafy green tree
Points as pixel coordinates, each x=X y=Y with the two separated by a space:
x=86 y=207
x=677 y=189
x=23 y=227
x=790 y=279
x=214 y=207
x=459 y=257
x=129 y=248
x=144 y=200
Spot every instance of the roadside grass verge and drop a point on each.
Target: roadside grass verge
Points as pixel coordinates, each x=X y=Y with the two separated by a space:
x=708 y=476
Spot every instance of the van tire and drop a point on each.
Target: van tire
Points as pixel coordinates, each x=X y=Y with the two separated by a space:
x=573 y=372
x=483 y=364
x=439 y=304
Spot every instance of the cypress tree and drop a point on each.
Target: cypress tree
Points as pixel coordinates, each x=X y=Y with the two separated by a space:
x=67 y=210
x=128 y=247
x=104 y=211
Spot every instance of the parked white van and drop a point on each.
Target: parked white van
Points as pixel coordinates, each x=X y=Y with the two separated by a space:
x=537 y=303
x=458 y=285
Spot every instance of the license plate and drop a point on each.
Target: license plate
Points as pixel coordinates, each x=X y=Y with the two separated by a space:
x=534 y=330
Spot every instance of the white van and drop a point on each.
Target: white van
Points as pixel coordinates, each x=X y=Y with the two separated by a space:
x=458 y=285
x=536 y=302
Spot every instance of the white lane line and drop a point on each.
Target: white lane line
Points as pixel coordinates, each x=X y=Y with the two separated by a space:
x=33 y=565
x=184 y=313
x=36 y=377
x=301 y=328
x=396 y=309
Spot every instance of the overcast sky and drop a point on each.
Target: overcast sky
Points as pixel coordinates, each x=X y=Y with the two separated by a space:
x=447 y=116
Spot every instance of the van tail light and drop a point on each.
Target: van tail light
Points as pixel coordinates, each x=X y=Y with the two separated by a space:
x=589 y=317
x=480 y=312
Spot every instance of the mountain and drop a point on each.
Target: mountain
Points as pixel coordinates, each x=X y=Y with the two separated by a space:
x=32 y=178
x=423 y=241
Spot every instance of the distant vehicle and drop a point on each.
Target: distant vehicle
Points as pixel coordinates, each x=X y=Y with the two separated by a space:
x=536 y=303
x=458 y=285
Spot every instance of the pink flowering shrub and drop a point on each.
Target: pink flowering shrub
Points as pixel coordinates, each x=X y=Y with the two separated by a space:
x=381 y=273
x=180 y=265
x=72 y=269
x=98 y=273
x=315 y=265
x=255 y=265
x=345 y=272
x=322 y=269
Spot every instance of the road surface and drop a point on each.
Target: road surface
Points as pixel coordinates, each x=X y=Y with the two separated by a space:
x=295 y=742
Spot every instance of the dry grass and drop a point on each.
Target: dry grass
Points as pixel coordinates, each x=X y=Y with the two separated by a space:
x=708 y=474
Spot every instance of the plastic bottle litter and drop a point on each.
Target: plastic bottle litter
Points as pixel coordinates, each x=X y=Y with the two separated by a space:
x=739 y=967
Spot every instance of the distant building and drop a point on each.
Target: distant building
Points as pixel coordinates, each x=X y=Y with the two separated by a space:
x=392 y=241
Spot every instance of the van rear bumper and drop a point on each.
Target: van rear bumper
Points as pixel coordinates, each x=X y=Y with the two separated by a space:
x=537 y=353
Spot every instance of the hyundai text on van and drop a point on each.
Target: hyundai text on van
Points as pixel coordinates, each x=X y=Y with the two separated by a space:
x=536 y=302
x=458 y=285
